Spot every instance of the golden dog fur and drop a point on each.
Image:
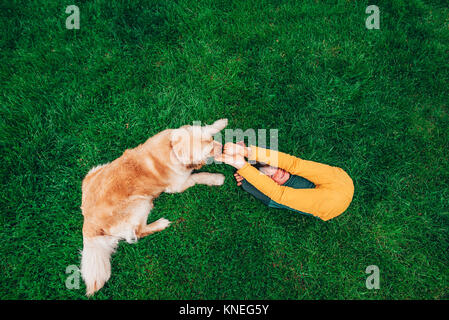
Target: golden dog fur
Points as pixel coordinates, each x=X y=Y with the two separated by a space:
x=117 y=197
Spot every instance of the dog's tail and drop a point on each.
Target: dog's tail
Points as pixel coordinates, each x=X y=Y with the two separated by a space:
x=95 y=261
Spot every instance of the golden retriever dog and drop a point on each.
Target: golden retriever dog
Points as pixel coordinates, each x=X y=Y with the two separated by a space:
x=117 y=197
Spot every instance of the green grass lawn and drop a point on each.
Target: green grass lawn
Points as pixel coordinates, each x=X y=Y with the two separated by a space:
x=373 y=102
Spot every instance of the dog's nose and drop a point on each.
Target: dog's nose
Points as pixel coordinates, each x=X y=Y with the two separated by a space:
x=218 y=147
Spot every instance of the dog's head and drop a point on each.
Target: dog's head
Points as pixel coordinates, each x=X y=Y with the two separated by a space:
x=193 y=145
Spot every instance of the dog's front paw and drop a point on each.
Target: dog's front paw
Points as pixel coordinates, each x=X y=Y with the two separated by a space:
x=218 y=179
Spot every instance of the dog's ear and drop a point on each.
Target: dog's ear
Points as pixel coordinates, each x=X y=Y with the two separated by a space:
x=216 y=127
x=179 y=143
x=195 y=166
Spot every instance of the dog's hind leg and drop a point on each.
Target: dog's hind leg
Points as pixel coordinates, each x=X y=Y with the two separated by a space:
x=156 y=226
x=132 y=224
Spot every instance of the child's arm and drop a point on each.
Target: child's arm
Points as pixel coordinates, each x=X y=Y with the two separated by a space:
x=322 y=175
x=322 y=202
x=248 y=187
x=318 y=173
x=331 y=196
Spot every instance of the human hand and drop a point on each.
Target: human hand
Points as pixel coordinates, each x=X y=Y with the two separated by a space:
x=238 y=178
